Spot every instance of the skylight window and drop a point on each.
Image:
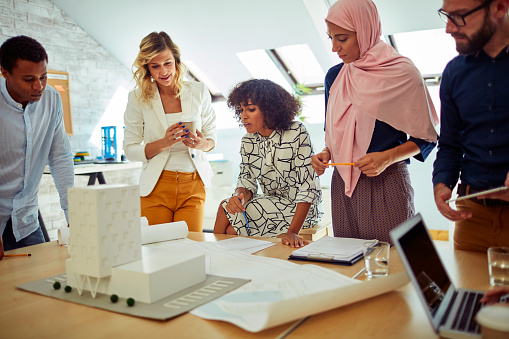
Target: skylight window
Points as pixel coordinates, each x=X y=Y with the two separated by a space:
x=302 y=63
x=430 y=50
x=198 y=74
x=261 y=66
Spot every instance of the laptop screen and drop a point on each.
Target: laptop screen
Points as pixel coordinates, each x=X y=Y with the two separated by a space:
x=422 y=259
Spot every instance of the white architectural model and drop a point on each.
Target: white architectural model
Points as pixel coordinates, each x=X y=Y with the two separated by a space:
x=106 y=253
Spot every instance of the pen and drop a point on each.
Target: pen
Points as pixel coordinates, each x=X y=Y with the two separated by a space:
x=247 y=223
x=359 y=273
x=18 y=255
x=291 y=328
x=341 y=164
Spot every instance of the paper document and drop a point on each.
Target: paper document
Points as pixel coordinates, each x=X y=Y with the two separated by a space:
x=246 y=245
x=344 y=251
x=280 y=291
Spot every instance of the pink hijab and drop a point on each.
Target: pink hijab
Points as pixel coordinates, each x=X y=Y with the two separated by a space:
x=380 y=85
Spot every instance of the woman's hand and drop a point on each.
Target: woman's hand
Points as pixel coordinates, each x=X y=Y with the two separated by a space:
x=373 y=164
x=173 y=135
x=235 y=204
x=292 y=239
x=197 y=141
x=319 y=161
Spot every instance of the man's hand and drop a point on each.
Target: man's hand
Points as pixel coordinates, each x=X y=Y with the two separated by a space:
x=443 y=193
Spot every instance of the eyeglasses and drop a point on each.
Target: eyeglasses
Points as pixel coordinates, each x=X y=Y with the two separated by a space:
x=459 y=19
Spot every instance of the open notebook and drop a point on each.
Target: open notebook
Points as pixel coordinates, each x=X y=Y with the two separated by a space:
x=451 y=311
x=341 y=251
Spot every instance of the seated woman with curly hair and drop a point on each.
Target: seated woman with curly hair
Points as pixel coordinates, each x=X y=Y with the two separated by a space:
x=276 y=154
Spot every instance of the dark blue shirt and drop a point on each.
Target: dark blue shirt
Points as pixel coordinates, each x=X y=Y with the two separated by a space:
x=384 y=135
x=474 y=132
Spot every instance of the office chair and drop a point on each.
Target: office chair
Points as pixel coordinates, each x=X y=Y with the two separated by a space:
x=43 y=227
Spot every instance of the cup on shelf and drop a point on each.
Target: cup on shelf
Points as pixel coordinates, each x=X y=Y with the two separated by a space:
x=376 y=259
x=498 y=261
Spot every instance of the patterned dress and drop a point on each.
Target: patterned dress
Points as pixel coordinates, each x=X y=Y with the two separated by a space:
x=378 y=204
x=281 y=165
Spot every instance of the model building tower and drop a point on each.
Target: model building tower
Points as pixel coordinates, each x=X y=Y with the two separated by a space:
x=105 y=230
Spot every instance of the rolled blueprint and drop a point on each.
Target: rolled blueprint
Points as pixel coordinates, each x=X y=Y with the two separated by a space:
x=63 y=235
x=163 y=232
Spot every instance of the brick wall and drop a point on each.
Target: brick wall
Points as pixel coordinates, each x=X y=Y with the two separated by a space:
x=94 y=78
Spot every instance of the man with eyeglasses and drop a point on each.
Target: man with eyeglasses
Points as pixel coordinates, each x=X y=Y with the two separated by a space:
x=474 y=132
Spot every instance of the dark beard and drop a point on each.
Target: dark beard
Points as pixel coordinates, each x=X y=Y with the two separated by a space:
x=479 y=39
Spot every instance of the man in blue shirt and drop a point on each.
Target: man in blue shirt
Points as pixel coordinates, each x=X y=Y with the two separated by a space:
x=474 y=135
x=32 y=134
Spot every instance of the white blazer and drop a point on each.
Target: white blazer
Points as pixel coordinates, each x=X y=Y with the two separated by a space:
x=146 y=122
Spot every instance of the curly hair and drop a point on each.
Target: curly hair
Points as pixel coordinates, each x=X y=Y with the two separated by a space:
x=21 y=47
x=278 y=107
x=151 y=46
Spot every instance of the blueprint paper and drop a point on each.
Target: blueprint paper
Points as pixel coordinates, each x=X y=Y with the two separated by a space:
x=256 y=307
x=280 y=291
x=163 y=232
x=246 y=245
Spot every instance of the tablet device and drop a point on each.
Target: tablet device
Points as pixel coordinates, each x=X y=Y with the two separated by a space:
x=473 y=195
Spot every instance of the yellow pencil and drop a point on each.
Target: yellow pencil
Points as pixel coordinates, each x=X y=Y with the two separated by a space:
x=18 y=255
x=342 y=164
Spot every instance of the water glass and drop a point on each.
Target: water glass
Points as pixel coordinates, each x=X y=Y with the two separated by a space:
x=376 y=259
x=498 y=261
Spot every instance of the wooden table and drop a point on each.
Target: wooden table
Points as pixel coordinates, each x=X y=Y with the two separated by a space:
x=397 y=314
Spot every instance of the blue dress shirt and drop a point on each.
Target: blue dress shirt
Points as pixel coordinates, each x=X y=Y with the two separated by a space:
x=384 y=135
x=30 y=138
x=474 y=136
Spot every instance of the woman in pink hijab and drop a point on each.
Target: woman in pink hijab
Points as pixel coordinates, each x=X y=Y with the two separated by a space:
x=379 y=114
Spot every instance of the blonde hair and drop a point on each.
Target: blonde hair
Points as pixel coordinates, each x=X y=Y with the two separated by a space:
x=151 y=46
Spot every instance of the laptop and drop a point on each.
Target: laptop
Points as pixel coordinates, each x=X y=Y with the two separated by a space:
x=451 y=311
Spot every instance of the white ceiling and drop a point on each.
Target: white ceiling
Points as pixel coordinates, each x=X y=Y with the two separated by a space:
x=211 y=32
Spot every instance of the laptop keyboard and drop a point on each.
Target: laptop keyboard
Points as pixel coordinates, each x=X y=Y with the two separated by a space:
x=465 y=317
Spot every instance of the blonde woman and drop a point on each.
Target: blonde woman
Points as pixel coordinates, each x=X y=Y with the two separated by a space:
x=169 y=125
